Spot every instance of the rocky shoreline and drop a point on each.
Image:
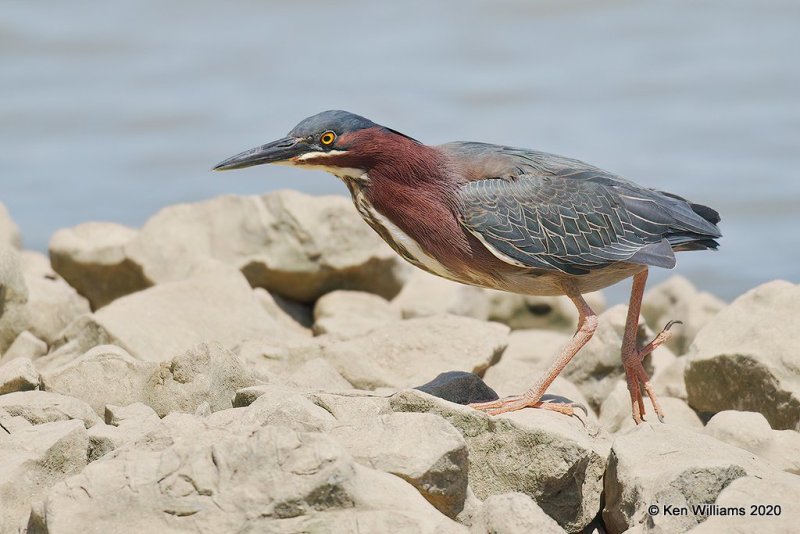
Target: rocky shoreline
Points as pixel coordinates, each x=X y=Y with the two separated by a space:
x=248 y=364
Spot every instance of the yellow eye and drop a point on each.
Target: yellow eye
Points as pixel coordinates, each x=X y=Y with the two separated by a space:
x=327 y=138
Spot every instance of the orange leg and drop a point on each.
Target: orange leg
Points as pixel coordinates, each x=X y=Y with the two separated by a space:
x=632 y=357
x=587 y=324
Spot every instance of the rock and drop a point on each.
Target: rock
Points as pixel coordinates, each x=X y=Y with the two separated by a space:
x=92 y=258
x=297 y=246
x=615 y=412
x=40 y=407
x=318 y=374
x=512 y=513
x=290 y=315
x=668 y=380
x=745 y=357
x=18 y=374
x=740 y=496
x=677 y=299
x=668 y=465
x=349 y=314
x=26 y=345
x=34 y=459
x=425 y=294
x=287 y=408
x=555 y=460
x=161 y=322
x=52 y=303
x=120 y=415
x=104 y=375
x=9 y=232
x=408 y=353
x=459 y=387
x=13 y=298
x=9 y=424
x=525 y=312
x=205 y=373
x=751 y=431
x=422 y=449
x=125 y=425
x=272 y=480
x=598 y=365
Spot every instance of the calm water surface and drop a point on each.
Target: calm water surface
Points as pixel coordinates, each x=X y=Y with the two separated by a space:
x=110 y=111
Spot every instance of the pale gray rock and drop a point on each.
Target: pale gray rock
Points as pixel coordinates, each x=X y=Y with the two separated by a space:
x=10 y=424
x=18 y=374
x=425 y=294
x=668 y=465
x=677 y=299
x=513 y=513
x=34 y=459
x=349 y=314
x=751 y=431
x=615 y=412
x=422 y=449
x=206 y=372
x=292 y=316
x=526 y=312
x=161 y=322
x=668 y=379
x=411 y=352
x=9 y=231
x=272 y=480
x=598 y=365
x=40 y=407
x=285 y=407
x=745 y=358
x=318 y=374
x=26 y=345
x=14 y=317
x=92 y=258
x=739 y=498
x=295 y=245
x=121 y=415
x=104 y=375
x=52 y=303
x=558 y=461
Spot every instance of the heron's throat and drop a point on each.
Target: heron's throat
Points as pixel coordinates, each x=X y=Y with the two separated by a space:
x=329 y=162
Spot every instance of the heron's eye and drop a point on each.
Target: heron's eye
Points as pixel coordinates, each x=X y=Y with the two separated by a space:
x=327 y=138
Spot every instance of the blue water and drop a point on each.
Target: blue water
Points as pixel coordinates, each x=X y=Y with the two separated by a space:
x=110 y=111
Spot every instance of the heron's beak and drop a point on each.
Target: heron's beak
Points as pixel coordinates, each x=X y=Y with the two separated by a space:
x=275 y=152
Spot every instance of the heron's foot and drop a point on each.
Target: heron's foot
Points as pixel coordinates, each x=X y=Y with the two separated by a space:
x=518 y=402
x=637 y=377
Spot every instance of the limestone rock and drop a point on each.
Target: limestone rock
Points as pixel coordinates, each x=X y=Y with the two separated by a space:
x=318 y=374
x=677 y=299
x=409 y=353
x=745 y=358
x=425 y=294
x=422 y=449
x=31 y=461
x=161 y=322
x=104 y=375
x=525 y=312
x=513 y=513
x=91 y=257
x=292 y=316
x=668 y=380
x=52 y=303
x=743 y=493
x=297 y=246
x=287 y=408
x=40 y=407
x=13 y=298
x=10 y=424
x=272 y=480
x=18 y=374
x=555 y=460
x=349 y=314
x=26 y=345
x=615 y=412
x=751 y=431
x=9 y=232
x=205 y=373
x=669 y=465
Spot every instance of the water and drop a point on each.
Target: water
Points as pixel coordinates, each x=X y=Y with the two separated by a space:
x=110 y=111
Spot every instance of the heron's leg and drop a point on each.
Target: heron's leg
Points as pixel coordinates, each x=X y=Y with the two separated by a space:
x=632 y=357
x=587 y=324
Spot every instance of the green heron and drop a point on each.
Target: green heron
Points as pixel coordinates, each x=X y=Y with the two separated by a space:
x=505 y=218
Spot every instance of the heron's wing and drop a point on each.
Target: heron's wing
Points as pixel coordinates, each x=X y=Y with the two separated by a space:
x=537 y=210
